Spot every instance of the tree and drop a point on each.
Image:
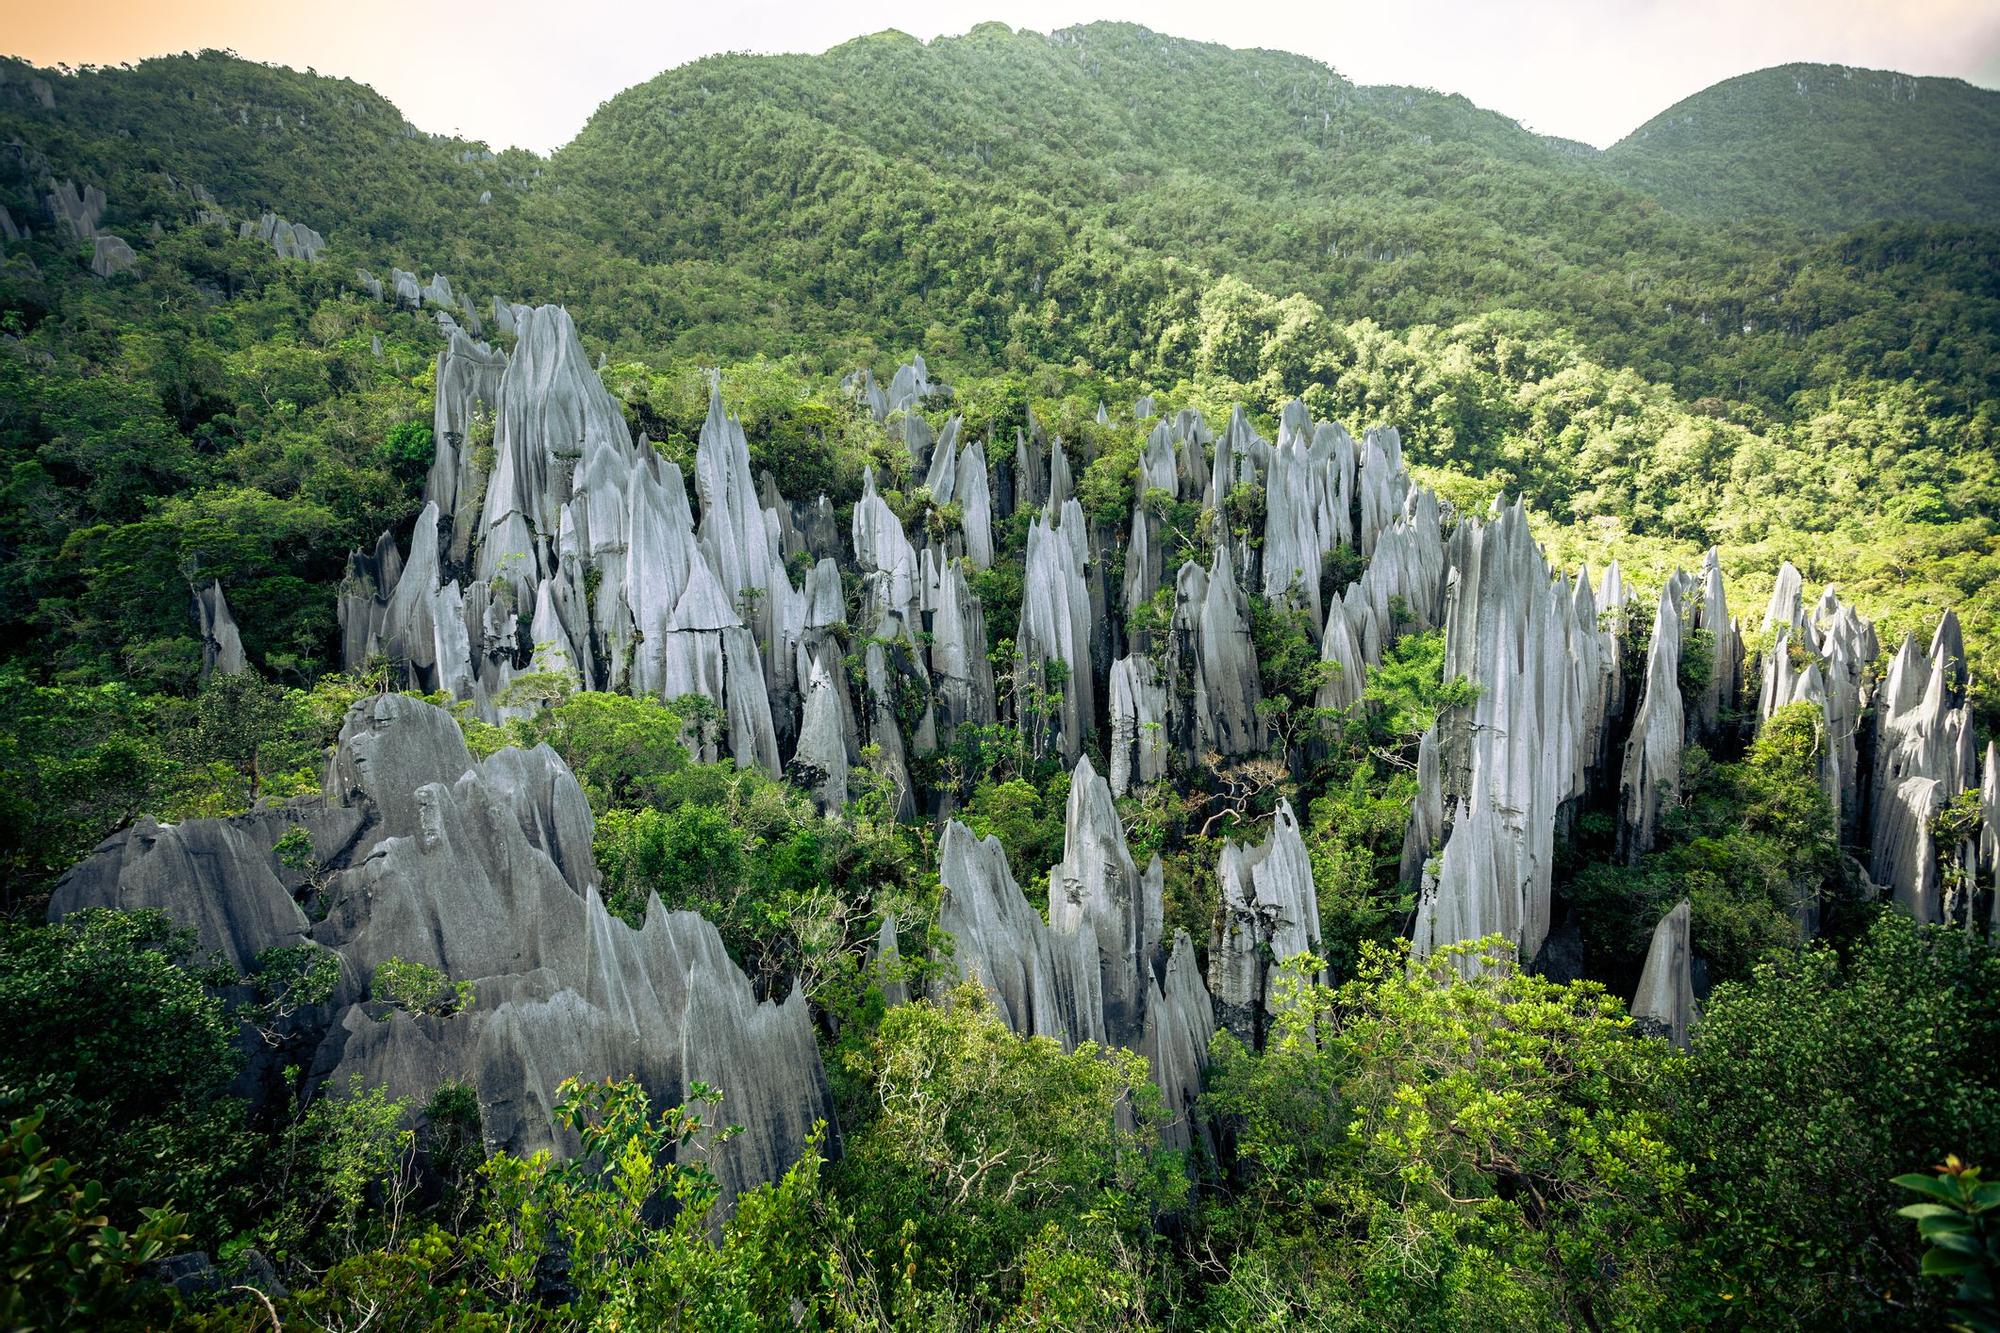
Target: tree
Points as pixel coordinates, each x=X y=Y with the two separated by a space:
x=1426 y=1148
x=981 y=1138
x=130 y=1058
x=67 y=1265
x=1807 y=1085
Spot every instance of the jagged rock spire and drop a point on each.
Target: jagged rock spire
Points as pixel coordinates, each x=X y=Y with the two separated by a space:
x=484 y=870
x=1664 y=1001
x=1650 y=779
x=1269 y=913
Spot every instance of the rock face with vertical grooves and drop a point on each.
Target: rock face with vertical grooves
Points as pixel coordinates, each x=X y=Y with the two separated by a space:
x=1211 y=669
x=1055 y=626
x=1924 y=757
x=484 y=870
x=1511 y=760
x=221 y=644
x=1650 y=779
x=1043 y=985
x=1096 y=970
x=822 y=751
x=1664 y=1002
x=290 y=240
x=1096 y=890
x=1269 y=912
x=1708 y=612
x=1138 y=725
x=1989 y=827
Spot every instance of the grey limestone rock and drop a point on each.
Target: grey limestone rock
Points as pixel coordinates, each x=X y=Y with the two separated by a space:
x=110 y=255
x=290 y=240
x=1664 y=1001
x=1180 y=1022
x=1056 y=626
x=1382 y=484
x=1138 y=724
x=740 y=540
x=1344 y=685
x=1924 y=757
x=1213 y=685
x=1269 y=913
x=1650 y=779
x=221 y=645
x=911 y=386
x=1096 y=889
x=880 y=547
x=76 y=211
x=1426 y=830
x=1509 y=761
x=483 y=870
x=462 y=424
x=218 y=877
x=961 y=676
x=822 y=750
x=1989 y=828
x=1905 y=853
x=1042 y=986
x=1709 y=612
x=974 y=497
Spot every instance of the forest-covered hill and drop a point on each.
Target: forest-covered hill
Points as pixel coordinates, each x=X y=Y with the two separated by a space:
x=770 y=671
x=1823 y=147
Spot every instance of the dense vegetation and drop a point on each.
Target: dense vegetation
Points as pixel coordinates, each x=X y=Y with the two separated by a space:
x=1055 y=222
x=1884 y=146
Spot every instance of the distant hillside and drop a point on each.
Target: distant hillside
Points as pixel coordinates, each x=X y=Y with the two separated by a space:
x=1822 y=146
x=1020 y=198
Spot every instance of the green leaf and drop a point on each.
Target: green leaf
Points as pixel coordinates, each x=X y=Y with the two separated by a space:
x=1931 y=1185
x=1945 y=1263
x=1926 y=1210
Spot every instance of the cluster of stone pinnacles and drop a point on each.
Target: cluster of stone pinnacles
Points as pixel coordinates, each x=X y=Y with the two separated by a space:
x=553 y=546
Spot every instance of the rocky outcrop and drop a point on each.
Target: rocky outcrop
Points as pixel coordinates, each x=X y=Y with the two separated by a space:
x=1664 y=1002
x=1138 y=725
x=221 y=645
x=1055 y=627
x=1180 y=1023
x=1097 y=890
x=820 y=764
x=1924 y=757
x=481 y=869
x=76 y=211
x=110 y=256
x=1043 y=984
x=1096 y=970
x=1989 y=831
x=883 y=554
x=961 y=675
x=1211 y=671
x=1650 y=781
x=1708 y=612
x=1269 y=913
x=291 y=240
x=1511 y=760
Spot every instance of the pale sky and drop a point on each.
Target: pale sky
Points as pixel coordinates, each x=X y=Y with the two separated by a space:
x=530 y=72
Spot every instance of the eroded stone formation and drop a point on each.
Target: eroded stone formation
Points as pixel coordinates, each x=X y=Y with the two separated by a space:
x=555 y=548
x=1098 y=969
x=482 y=869
x=1269 y=913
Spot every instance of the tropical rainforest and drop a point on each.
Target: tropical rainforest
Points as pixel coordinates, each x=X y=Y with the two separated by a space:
x=1758 y=338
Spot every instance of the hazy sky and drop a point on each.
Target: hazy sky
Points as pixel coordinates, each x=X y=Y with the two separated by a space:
x=530 y=72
